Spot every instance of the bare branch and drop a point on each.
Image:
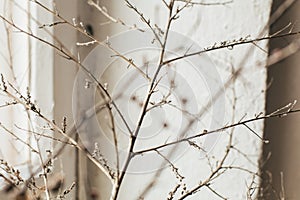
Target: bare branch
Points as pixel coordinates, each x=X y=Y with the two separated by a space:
x=281 y=114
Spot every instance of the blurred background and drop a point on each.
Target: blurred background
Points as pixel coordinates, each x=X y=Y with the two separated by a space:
x=284 y=133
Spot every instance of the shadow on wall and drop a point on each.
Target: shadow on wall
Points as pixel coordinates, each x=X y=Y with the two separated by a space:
x=282 y=168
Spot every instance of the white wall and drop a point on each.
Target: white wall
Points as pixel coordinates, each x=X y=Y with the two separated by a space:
x=25 y=63
x=15 y=68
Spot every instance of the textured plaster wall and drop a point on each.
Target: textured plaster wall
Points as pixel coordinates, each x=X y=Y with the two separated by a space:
x=206 y=25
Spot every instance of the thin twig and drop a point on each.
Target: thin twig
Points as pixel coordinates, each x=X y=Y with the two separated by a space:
x=206 y=4
x=230 y=45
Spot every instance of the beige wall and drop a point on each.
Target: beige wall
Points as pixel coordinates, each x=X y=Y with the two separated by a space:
x=283 y=133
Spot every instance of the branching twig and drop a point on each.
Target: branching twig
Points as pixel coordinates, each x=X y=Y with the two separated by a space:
x=134 y=135
x=212 y=175
x=104 y=11
x=147 y=22
x=282 y=114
